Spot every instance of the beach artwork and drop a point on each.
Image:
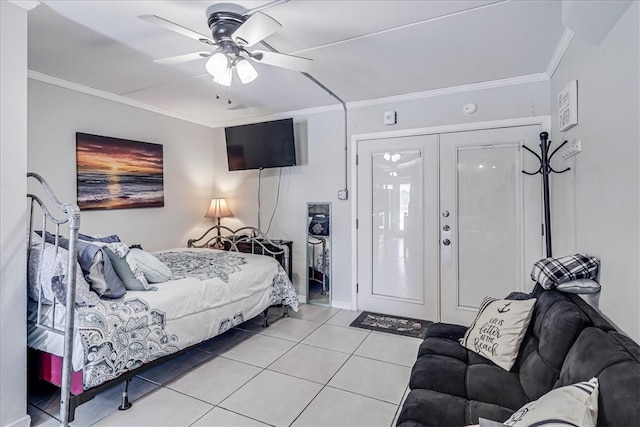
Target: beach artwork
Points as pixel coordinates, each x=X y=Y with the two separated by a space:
x=117 y=173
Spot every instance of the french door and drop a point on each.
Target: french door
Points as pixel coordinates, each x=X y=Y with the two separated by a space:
x=397 y=243
x=444 y=220
x=490 y=217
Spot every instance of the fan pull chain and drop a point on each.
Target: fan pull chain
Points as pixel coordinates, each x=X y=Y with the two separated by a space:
x=217 y=91
x=229 y=97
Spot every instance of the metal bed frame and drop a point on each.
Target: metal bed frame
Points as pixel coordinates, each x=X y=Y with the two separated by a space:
x=70 y=223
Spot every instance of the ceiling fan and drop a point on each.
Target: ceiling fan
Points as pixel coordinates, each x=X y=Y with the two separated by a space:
x=234 y=29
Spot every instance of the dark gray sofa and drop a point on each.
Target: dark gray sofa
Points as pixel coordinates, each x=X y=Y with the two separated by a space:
x=567 y=342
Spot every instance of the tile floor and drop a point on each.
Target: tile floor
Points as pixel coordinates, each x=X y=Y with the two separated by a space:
x=310 y=369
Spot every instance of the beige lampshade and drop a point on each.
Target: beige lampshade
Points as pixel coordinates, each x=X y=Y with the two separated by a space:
x=218 y=209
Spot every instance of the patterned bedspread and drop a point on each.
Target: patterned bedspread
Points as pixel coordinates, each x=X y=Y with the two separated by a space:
x=210 y=292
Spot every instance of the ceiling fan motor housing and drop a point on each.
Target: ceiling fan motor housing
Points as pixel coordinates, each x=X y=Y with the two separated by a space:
x=224 y=24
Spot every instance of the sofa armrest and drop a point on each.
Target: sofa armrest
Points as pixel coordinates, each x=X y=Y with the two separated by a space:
x=445 y=330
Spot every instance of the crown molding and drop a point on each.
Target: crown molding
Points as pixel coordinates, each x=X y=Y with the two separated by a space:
x=26 y=4
x=558 y=54
x=276 y=116
x=492 y=84
x=35 y=75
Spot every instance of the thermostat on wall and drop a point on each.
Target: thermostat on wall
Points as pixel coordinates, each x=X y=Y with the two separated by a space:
x=390 y=118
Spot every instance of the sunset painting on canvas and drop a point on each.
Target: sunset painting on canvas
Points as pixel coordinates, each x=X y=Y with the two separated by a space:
x=118 y=173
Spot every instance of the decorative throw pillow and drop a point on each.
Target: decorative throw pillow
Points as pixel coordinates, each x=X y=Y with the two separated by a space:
x=126 y=267
x=572 y=405
x=580 y=286
x=107 y=239
x=154 y=270
x=48 y=270
x=550 y=272
x=499 y=329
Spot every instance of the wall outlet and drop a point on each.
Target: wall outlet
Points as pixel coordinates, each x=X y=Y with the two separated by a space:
x=572 y=150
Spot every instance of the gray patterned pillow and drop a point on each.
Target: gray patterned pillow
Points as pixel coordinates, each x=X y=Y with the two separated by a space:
x=499 y=329
x=50 y=273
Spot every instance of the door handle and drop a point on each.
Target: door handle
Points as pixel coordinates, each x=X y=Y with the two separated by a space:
x=446 y=242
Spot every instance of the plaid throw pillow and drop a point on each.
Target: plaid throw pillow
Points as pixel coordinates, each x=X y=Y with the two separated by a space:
x=550 y=272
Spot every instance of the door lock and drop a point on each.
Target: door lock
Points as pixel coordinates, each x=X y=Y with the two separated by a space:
x=446 y=242
x=445 y=214
x=446 y=228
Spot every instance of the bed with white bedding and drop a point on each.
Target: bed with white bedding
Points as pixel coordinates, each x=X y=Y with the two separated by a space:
x=209 y=292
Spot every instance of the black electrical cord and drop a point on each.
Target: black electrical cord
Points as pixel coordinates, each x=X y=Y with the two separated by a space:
x=277 y=200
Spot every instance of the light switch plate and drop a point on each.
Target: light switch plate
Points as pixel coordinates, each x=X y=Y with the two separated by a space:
x=572 y=150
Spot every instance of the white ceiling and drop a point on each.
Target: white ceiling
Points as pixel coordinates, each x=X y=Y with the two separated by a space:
x=361 y=50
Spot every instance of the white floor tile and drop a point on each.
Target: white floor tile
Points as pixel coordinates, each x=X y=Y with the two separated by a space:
x=225 y=341
x=390 y=348
x=395 y=419
x=343 y=318
x=103 y=405
x=333 y=407
x=219 y=417
x=314 y=313
x=336 y=338
x=215 y=380
x=310 y=363
x=41 y=419
x=163 y=407
x=290 y=329
x=272 y=398
x=258 y=350
x=176 y=366
x=380 y=380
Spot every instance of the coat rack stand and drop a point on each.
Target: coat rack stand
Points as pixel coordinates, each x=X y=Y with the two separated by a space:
x=545 y=169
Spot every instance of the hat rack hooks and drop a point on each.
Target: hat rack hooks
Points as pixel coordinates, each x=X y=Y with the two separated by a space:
x=545 y=170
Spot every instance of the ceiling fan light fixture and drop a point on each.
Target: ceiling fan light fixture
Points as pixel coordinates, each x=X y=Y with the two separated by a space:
x=246 y=71
x=217 y=65
x=224 y=78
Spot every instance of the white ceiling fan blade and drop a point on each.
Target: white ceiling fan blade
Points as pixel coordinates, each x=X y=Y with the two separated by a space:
x=182 y=58
x=177 y=28
x=255 y=29
x=291 y=62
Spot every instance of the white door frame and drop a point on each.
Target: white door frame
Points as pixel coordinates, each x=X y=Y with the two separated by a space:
x=543 y=121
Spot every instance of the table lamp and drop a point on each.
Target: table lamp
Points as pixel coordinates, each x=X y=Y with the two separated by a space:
x=218 y=209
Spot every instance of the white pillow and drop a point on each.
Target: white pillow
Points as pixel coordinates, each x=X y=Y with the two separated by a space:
x=154 y=270
x=580 y=286
x=575 y=404
x=499 y=329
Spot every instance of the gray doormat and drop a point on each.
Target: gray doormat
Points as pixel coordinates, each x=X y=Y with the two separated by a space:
x=392 y=324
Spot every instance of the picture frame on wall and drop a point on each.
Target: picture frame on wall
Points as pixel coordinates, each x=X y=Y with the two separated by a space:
x=115 y=173
x=568 y=106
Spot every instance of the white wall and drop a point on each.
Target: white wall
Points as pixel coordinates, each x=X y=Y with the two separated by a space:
x=13 y=248
x=321 y=171
x=595 y=206
x=56 y=114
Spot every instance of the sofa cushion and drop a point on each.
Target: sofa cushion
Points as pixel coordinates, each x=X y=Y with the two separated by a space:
x=491 y=384
x=556 y=324
x=431 y=408
x=439 y=373
x=615 y=360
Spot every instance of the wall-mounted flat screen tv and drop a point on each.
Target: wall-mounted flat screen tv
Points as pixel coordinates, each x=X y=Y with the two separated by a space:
x=261 y=145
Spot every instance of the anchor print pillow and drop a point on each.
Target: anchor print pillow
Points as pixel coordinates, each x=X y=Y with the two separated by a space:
x=499 y=329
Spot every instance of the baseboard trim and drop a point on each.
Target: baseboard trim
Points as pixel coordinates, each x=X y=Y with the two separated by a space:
x=20 y=422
